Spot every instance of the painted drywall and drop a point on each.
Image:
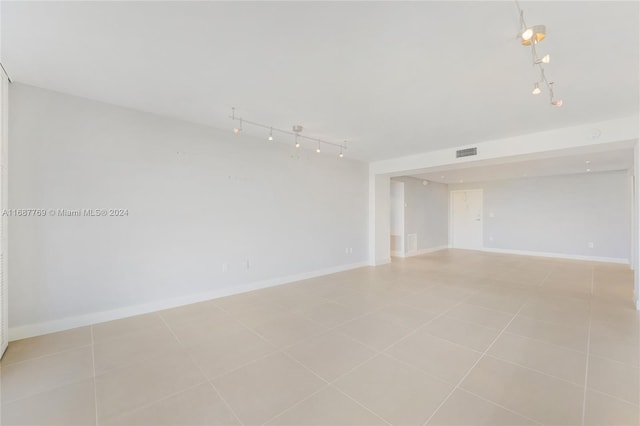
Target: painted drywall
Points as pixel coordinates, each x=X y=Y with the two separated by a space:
x=379 y=219
x=397 y=218
x=208 y=212
x=4 y=202
x=635 y=225
x=560 y=214
x=426 y=212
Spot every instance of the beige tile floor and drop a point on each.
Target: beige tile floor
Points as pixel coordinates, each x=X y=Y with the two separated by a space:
x=450 y=338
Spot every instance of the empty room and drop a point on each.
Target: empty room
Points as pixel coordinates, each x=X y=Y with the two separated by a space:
x=320 y=213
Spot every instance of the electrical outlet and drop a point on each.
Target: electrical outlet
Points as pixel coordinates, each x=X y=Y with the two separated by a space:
x=590 y=244
x=247 y=265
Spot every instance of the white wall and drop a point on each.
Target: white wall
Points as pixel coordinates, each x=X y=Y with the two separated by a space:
x=4 y=201
x=379 y=219
x=560 y=214
x=397 y=218
x=635 y=223
x=426 y=212
x=198 y=198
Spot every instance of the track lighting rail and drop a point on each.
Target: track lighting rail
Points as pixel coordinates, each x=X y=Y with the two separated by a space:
x=295 y=132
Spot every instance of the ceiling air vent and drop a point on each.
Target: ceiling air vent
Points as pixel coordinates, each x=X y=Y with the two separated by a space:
x=466 y=152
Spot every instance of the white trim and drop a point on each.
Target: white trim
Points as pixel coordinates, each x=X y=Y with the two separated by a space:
x=558 y=255
x=397 y=254
x=30 y=330
x=425 y=251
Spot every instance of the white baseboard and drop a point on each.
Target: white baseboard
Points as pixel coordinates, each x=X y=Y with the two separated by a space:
x=558 y=255
x=397 y=254
x=30 y=330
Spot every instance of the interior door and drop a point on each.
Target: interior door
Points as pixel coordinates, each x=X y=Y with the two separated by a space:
x=466 y=219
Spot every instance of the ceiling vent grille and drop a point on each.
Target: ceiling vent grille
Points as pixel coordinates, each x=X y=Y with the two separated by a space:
x=466 y=152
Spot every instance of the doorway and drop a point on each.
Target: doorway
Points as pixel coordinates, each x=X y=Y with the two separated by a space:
x=466 y=219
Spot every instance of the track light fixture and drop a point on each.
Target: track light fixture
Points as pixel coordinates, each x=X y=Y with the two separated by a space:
x=536 y=89
x=238 y=129
x=531 y=36
x=295 y=131
x=544 y=60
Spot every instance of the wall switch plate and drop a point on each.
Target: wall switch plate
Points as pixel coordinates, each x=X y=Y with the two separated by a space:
x=590 y=244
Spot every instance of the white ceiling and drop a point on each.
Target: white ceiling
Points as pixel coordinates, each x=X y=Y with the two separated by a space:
x=393 y=78
x=570 y=163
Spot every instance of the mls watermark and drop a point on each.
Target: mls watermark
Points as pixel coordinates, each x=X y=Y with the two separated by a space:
x=65 y=212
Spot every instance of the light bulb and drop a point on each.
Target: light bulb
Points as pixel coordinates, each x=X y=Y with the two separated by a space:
x=557 y=103
x=544 y=60
x=318 y=150
x=271 y=133
x=536 y=89
x=341 y=154
x=526 y=34
x=236 y=130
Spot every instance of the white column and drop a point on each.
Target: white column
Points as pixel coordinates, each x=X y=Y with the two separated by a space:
x=4 y=310
x=379 y=219
x=635 y=225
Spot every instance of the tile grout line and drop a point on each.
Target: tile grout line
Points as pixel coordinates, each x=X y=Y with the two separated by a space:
x=361 y=405
x=207 y=380
x=155 y=401
x=95 y=381
x=617 y=398
x=499 y=405
x=586 y=368
x=535 y=370
x=49 y=354
x=438 y=316
x=331 y=384
x=377 y=353
x=474 y=365
x=326 y=385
